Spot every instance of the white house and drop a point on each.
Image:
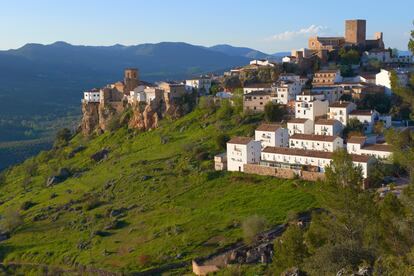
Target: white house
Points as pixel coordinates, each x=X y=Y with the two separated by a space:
x=383 y=78
x=300 y=126
x=366 y=117
x=316 y=142
x=330 y=127
x=309 y=107
x=287 y=91
x=201 y=84
x=359 y=145
x=272 y=135
x=257 y=87
x=92 y=96
x=381 y=55
x=262 y=62
x=298 y=158
x=289 y=77
x=145 y=93
x=240 y=151
x=340 y=111
x=331 y=93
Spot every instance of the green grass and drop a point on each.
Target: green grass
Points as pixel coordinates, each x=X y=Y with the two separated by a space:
x=184 y=210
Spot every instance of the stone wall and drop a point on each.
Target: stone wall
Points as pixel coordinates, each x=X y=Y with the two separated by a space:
x=282 y=172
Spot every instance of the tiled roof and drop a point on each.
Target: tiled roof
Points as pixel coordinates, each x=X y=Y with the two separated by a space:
x=339 y=104
x=312 y=153
x=268 y=127
x=297 y=121
x=259 y=85
x=366 y=112
x=313 y=137
x=258 y=93
x=329 y=122
x=240 y=140
x=357 y=140
x=378 y=147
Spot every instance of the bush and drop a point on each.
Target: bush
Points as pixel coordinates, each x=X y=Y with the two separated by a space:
x=274 y=112
x=221 y=141
x=10 y=220
x=252 y=226
x=26 y=205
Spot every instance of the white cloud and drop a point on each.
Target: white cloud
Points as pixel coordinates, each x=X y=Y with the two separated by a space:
x=304 y=32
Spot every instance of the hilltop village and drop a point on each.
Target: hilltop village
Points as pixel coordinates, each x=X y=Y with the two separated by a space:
x=332 y=95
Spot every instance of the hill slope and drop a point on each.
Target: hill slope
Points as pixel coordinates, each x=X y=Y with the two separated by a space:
x=239 y=51
x=154 y=201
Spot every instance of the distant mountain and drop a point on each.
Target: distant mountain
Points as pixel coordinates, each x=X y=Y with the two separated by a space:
x=40 y=78
x=240 y=51
x=281 y=54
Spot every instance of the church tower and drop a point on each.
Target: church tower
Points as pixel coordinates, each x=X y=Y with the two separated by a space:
x=131 y=79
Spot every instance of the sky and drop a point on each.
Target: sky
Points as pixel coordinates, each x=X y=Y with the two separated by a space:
x=266 y=25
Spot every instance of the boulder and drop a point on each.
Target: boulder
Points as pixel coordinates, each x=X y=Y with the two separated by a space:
x=76 y=150
x=98 y=156
x=63 y=174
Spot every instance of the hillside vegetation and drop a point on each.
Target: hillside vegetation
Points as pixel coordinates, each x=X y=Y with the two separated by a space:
x=154 y=200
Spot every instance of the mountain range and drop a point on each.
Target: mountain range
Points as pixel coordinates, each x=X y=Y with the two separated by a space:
x=40 y=78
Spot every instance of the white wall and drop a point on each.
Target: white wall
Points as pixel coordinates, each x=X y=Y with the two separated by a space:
x=278 y=138
x=238 y=155
x=305 y=128
x=316 y=145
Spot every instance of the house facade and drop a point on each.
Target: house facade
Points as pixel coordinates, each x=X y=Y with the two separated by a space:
x=272 y=135
x=92 y=96
x=326 y=77
x=287 y=90
x=316 y=142
x=340 y=111
x=329 y=127
x=300 y=126
x=256 y=101
x=240 y=151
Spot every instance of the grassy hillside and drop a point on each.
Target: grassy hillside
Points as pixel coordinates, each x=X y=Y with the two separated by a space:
x=155 y=200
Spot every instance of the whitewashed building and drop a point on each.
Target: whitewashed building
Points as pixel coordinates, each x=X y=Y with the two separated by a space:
x=92 y=96
x=201 y=84
x=262 y=62
x=310 y=107
x=359 y=145
x=300 y=126
x=316 y=142
x=240 y=151
x=330 y=127
x=287 y=90
x=331 y=93
x=272 y=135
x=298 y=158
x=257 y=87
x=340 y=111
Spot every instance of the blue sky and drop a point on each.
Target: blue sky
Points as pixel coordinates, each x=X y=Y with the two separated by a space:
x=266 y=25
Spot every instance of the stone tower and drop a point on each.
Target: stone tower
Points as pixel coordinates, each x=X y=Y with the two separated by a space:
x=131 y=79
x=355 y=31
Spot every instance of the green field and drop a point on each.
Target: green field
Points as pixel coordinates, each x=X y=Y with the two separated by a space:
x=174 y=206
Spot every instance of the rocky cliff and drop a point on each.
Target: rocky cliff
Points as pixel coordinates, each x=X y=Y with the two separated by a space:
x=98 y=117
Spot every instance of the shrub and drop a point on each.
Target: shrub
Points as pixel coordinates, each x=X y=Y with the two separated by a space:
x=11 y=219
x=252 y=226
x=27 y=205
x=221 y=141
x=274 y=112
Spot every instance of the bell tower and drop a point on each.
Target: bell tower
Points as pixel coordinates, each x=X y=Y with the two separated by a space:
x=131 y=79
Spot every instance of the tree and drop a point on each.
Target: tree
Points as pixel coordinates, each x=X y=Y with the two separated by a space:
x=354 y=127
x=345 y=236
x=63 y=136
x=411 y=42
x=290 y=250
x=252 y=226
x=274 y=112
x=214 y=89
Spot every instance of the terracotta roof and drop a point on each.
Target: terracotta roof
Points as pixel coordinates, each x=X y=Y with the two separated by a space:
x=357 y=140
x=313 y=137
x=340 y=104
x=240 y=140
x=258 y=93
x=327 y=71
x=366 y=112
x=268 y=127
x=297 y=121
x=312 y=153
x=259 y=85
x=329 y=122
x=378 y=147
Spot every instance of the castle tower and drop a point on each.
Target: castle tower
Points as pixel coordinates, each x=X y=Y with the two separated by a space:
x=355 y=31
x=379 y=36
x=131 y=79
